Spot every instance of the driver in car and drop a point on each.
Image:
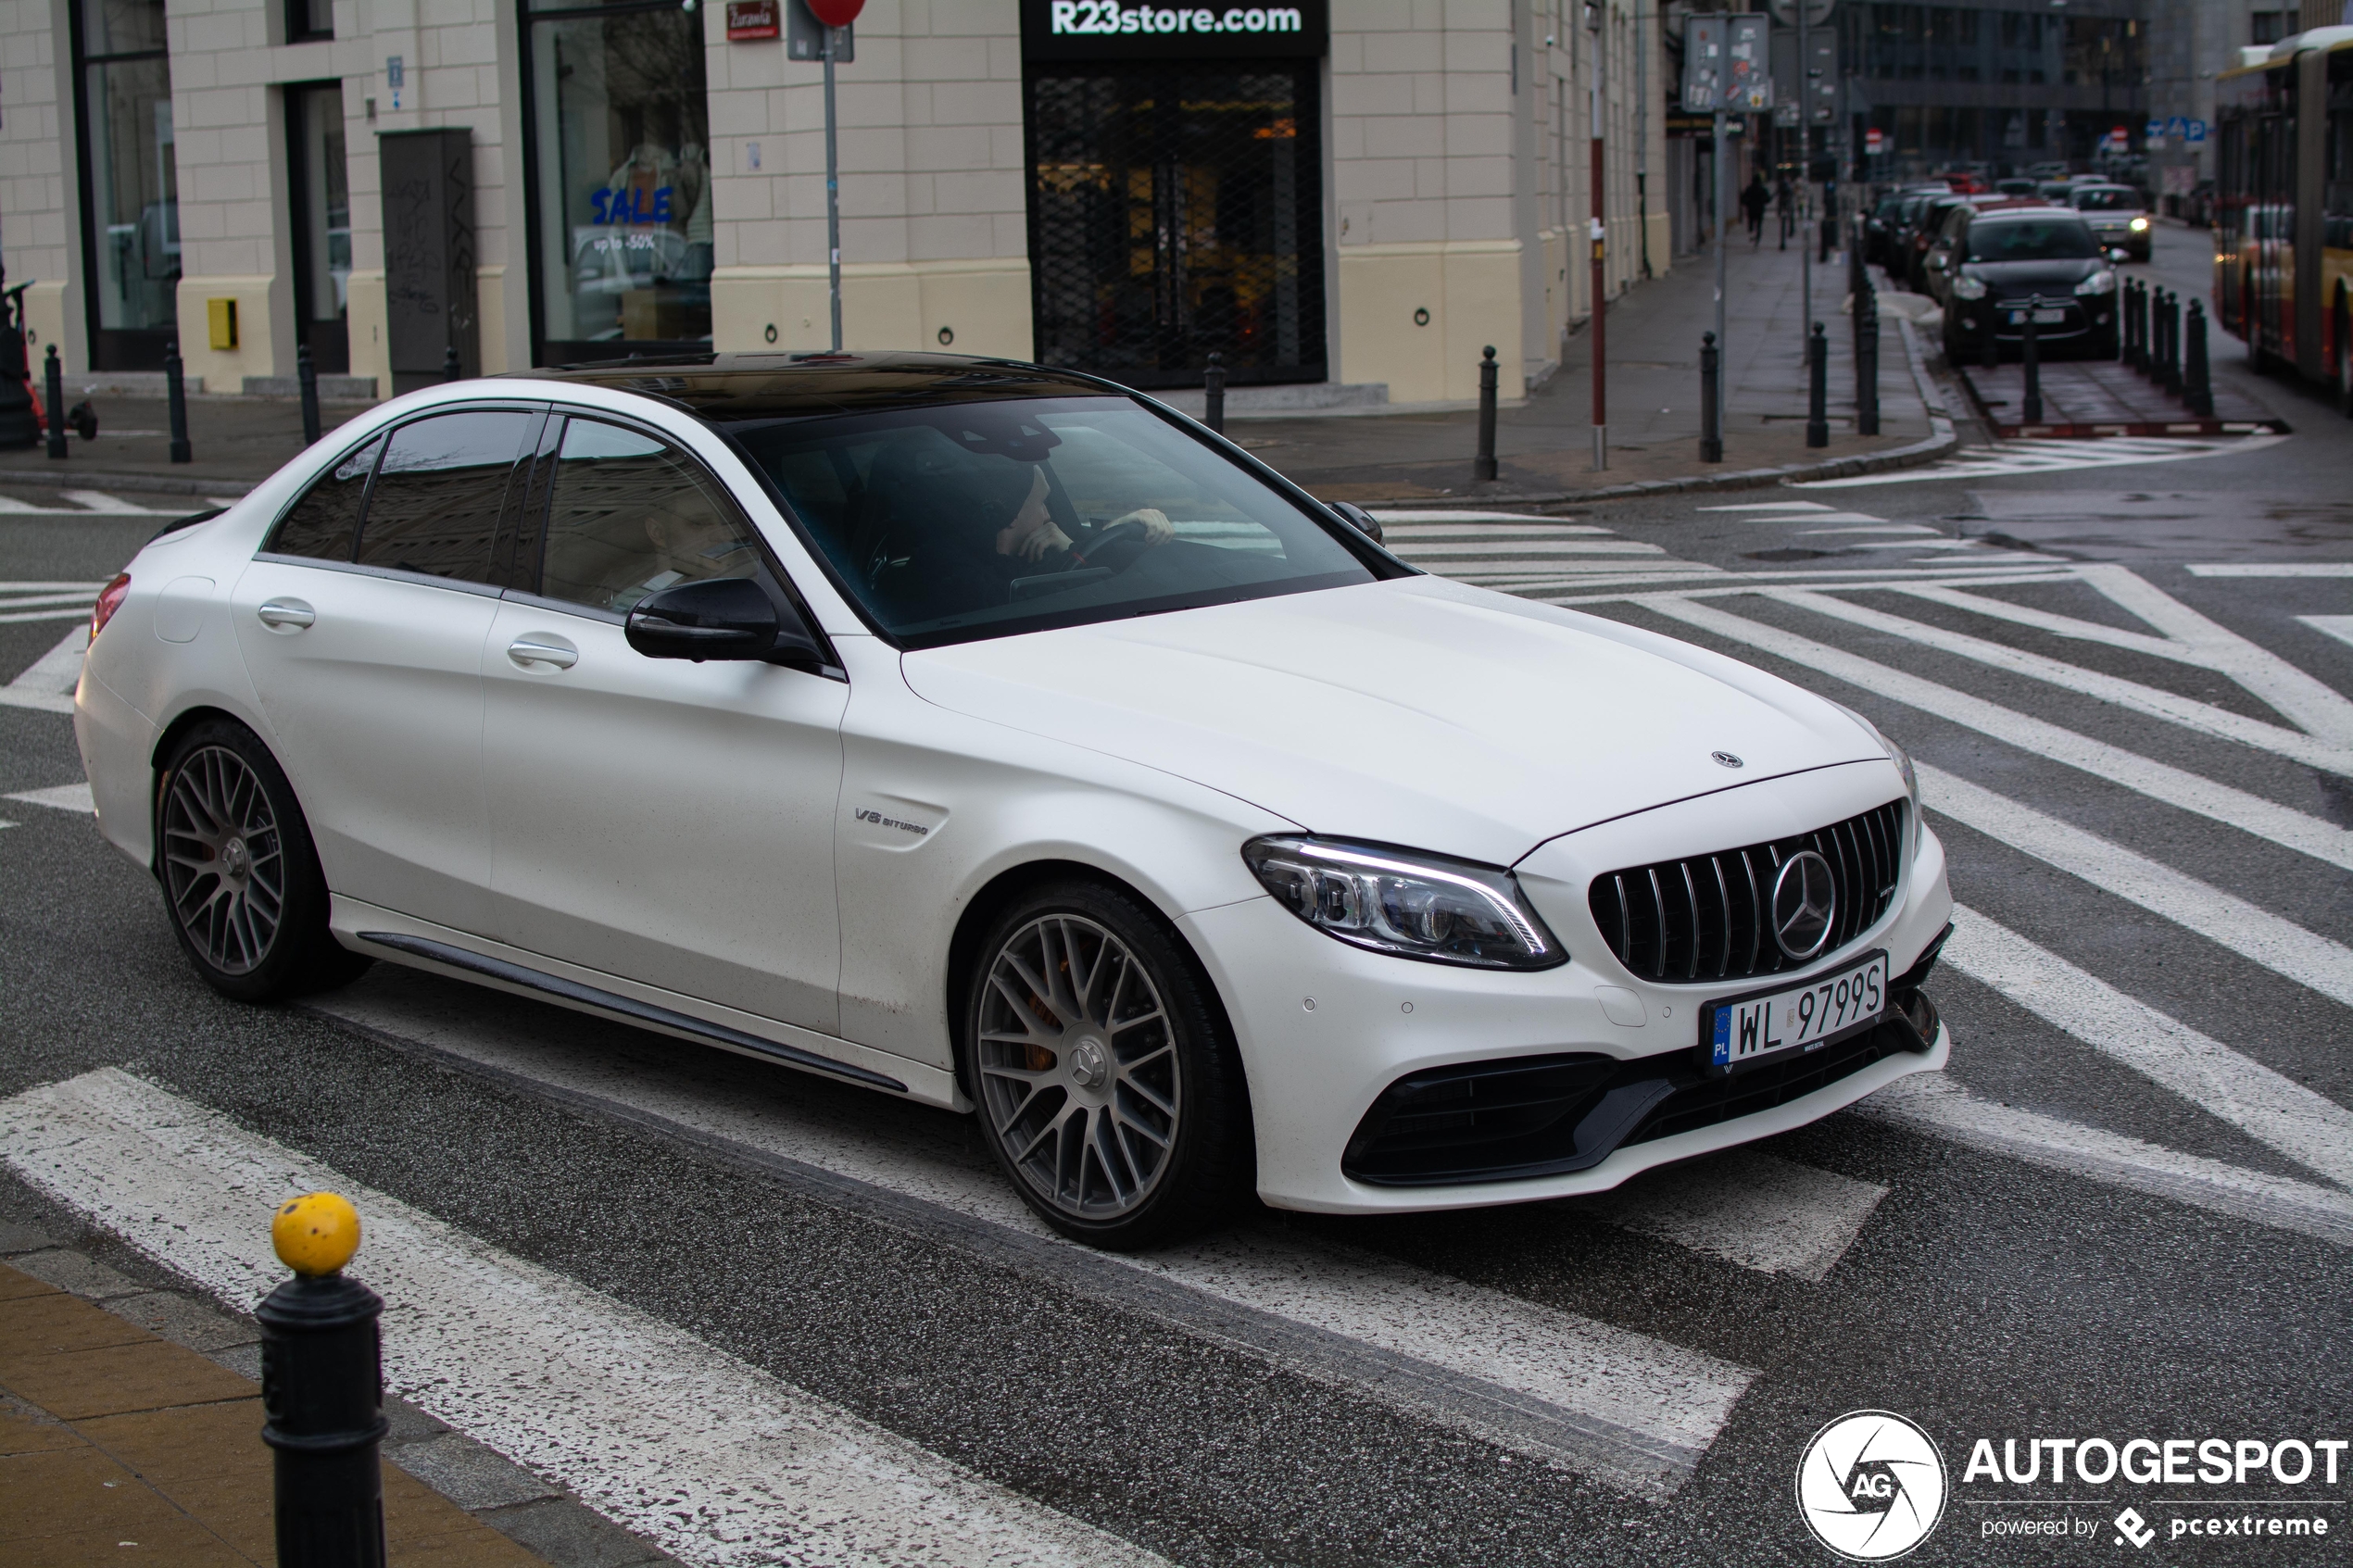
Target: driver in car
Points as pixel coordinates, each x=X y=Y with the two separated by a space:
x=1033 y=535
x=689 y=542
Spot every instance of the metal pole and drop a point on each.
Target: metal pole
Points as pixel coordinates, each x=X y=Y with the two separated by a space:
x=1483 y=469
x=833 y=190
x=2029 y=351
x=1711 y=427
x=1817 y=391
x=307 y=383
x=1642 y=137
x=1805 y=172
x=175 y=393
x=1714 y=388
x=1213 y=393
x=53 y=412
x=2199 y=383
x=1601 y=281
x=1866 y=359
x=322 y=1395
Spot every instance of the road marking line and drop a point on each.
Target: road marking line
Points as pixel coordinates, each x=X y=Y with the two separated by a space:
x=1932 y=1103
x=47 y=702
x=59 y=669
x=710 y=1457
x=1530 y=550
x=2256 y=935
x=2054 y=456
x=61 y=797
x=2268 y=819
x=2310 y=1128
x=1387 y=516
x=1523 y=530
x=1747 y=1206
x=79 y=614
x=2152 y=702
x=99 y=501
x=46 y=586
x=2297 y=568
x=2310 y=703
x=1769 y=507
x=2338 y=626
x=2057 y=625
x=1867 y=528
x=1628 y=1408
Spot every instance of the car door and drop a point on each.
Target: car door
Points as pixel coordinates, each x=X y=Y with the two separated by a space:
x=667 y=822
x=363 y=622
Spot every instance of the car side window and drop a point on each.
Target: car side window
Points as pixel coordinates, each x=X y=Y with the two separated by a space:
x=629 y=515
x=439 y=491
x=324 y=524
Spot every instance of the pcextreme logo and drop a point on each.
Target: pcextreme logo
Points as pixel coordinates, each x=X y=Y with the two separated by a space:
x=1872 y=1486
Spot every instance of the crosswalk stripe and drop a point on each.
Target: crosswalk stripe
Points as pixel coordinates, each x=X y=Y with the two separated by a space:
x=1626 y=1407
x=2057 y=625
x=2250 y=813
x=2338 y=626
x=2050 y=456
x=2274 y=569
x=2153 y=702
x=59 y=797
x=1932 y=1103
x=1518 y=550
x=2309 y=702
x=1746 y=1206
x=714 y=1458
x=2309 y=1128
x=59 y=669
x=2256 y=935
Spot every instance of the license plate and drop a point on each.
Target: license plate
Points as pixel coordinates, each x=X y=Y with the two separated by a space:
x=1799 y=1018
x=2041 y=318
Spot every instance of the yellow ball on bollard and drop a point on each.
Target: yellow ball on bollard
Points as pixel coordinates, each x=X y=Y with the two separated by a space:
x=316 y=1233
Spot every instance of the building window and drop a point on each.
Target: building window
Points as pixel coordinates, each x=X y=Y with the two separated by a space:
x=322 y=226
x=130 y=183
x=618 y=130
x=2267 y=27
x=309 y=21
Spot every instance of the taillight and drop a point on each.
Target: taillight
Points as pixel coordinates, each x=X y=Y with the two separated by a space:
x=110 y=599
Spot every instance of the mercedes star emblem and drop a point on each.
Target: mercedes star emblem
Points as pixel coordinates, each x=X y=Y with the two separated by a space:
x=1726 y=759
x=1804 y=901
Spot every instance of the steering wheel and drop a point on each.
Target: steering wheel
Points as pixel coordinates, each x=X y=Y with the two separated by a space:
x=1115 y=548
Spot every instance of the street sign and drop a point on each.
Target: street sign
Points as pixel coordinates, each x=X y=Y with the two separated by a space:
x=1726 y=65
x=2196 y=132
x=1874 y=143
x=750 y=20
x=2153 y=130
x=805 y=35
x=2177 y=127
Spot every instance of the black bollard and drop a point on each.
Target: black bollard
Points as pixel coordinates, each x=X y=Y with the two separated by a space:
x=53 y=410
x=2127 y=321
x=1711 y=413
x=2173 y=383
x=449 y=368
x=1483 y=470
x=175 y=392
x=306 y=380
x=1867 y=360
x=322 y=1398
x=2197 y=379
x=1817 y=388
x=1213 y=394
x=2164 y=367
x=2029 y=348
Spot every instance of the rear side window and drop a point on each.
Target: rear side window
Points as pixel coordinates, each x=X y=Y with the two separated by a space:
x=434 y=508
x=632 y=515
x=324 y=523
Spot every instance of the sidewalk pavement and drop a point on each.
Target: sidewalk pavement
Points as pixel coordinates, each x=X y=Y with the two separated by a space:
x=121 y=1444
x=1544 y=443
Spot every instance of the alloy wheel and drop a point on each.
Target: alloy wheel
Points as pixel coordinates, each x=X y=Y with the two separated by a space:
x=1077 y=1067
x=225 y=865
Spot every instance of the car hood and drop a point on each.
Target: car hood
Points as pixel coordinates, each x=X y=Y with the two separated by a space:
x=1416 y=711
x=2009 y=278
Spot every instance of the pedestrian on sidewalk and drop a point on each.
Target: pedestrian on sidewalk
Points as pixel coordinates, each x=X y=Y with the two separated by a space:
x=1785 y=202
x=1753 y=201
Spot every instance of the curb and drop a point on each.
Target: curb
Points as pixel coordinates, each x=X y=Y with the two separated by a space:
x=100 y=479
x=1940 y=441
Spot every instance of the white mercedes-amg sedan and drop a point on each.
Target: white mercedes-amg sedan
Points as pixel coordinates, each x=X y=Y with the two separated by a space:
x=995 y=737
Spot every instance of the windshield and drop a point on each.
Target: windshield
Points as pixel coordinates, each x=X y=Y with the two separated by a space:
x=2064 y=239
x=2113 y=199
x=948 y=524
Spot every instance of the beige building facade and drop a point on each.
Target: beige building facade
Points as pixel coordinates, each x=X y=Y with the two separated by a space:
x=1346 y=200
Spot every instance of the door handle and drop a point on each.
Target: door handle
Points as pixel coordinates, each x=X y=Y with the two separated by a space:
x=284 y=614
x=543 y=649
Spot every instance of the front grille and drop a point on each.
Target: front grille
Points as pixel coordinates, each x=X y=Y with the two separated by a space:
x=1707 y=917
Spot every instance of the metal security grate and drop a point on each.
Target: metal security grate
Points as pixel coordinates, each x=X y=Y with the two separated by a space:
x=1708 y=917
x=1175 y=211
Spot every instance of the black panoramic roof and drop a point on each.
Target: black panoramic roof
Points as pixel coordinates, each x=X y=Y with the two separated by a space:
x=776 y=385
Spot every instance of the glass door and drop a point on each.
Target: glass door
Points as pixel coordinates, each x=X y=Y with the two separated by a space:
x=129 y=181
x=1176 y=210
x=321 y=224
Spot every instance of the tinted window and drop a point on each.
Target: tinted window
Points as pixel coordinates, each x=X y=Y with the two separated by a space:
x=630 y=515
x=322 y=523
x=2064 y=239
x=2110 y=200
x=436 y=505
x=984 y=519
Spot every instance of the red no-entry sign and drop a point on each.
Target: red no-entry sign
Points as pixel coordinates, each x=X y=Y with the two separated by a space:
x=837 y=13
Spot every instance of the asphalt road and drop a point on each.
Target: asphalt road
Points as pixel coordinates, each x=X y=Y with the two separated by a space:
x=2127 y=1217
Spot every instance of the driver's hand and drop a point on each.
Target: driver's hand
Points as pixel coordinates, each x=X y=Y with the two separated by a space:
x=1157 y=530
x=1040 y=540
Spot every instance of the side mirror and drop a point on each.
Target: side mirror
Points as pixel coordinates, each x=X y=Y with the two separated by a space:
x=731 y=618
x=1363 y=521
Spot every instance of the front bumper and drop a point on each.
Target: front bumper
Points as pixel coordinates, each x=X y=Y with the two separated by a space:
x=2085 y=318
x=1324 y=1028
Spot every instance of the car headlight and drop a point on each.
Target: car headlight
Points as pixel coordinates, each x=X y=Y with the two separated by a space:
x=1967 y=287
x=2140 y=225
x=1405 y=903
x=2101 y=282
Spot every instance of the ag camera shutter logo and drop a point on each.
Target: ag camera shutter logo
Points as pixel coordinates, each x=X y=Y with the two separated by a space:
x=1872 y=1486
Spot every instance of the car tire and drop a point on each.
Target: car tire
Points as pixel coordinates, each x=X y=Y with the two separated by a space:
x=1101 y=1069
x=242 y=884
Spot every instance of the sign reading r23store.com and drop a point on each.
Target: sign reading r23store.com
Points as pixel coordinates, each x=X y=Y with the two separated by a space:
x=1124 y=30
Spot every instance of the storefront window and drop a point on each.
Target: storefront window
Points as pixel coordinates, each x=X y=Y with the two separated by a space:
x=321 y=224
x=622 y=181
x=131 y=195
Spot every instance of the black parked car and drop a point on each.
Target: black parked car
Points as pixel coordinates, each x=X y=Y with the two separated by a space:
x=2039 y=259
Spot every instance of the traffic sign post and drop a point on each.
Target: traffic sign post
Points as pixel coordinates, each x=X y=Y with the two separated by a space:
x=834 y=16
x=1727 y=70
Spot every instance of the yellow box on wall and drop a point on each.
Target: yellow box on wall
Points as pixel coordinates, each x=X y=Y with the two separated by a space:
x=220 y=316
